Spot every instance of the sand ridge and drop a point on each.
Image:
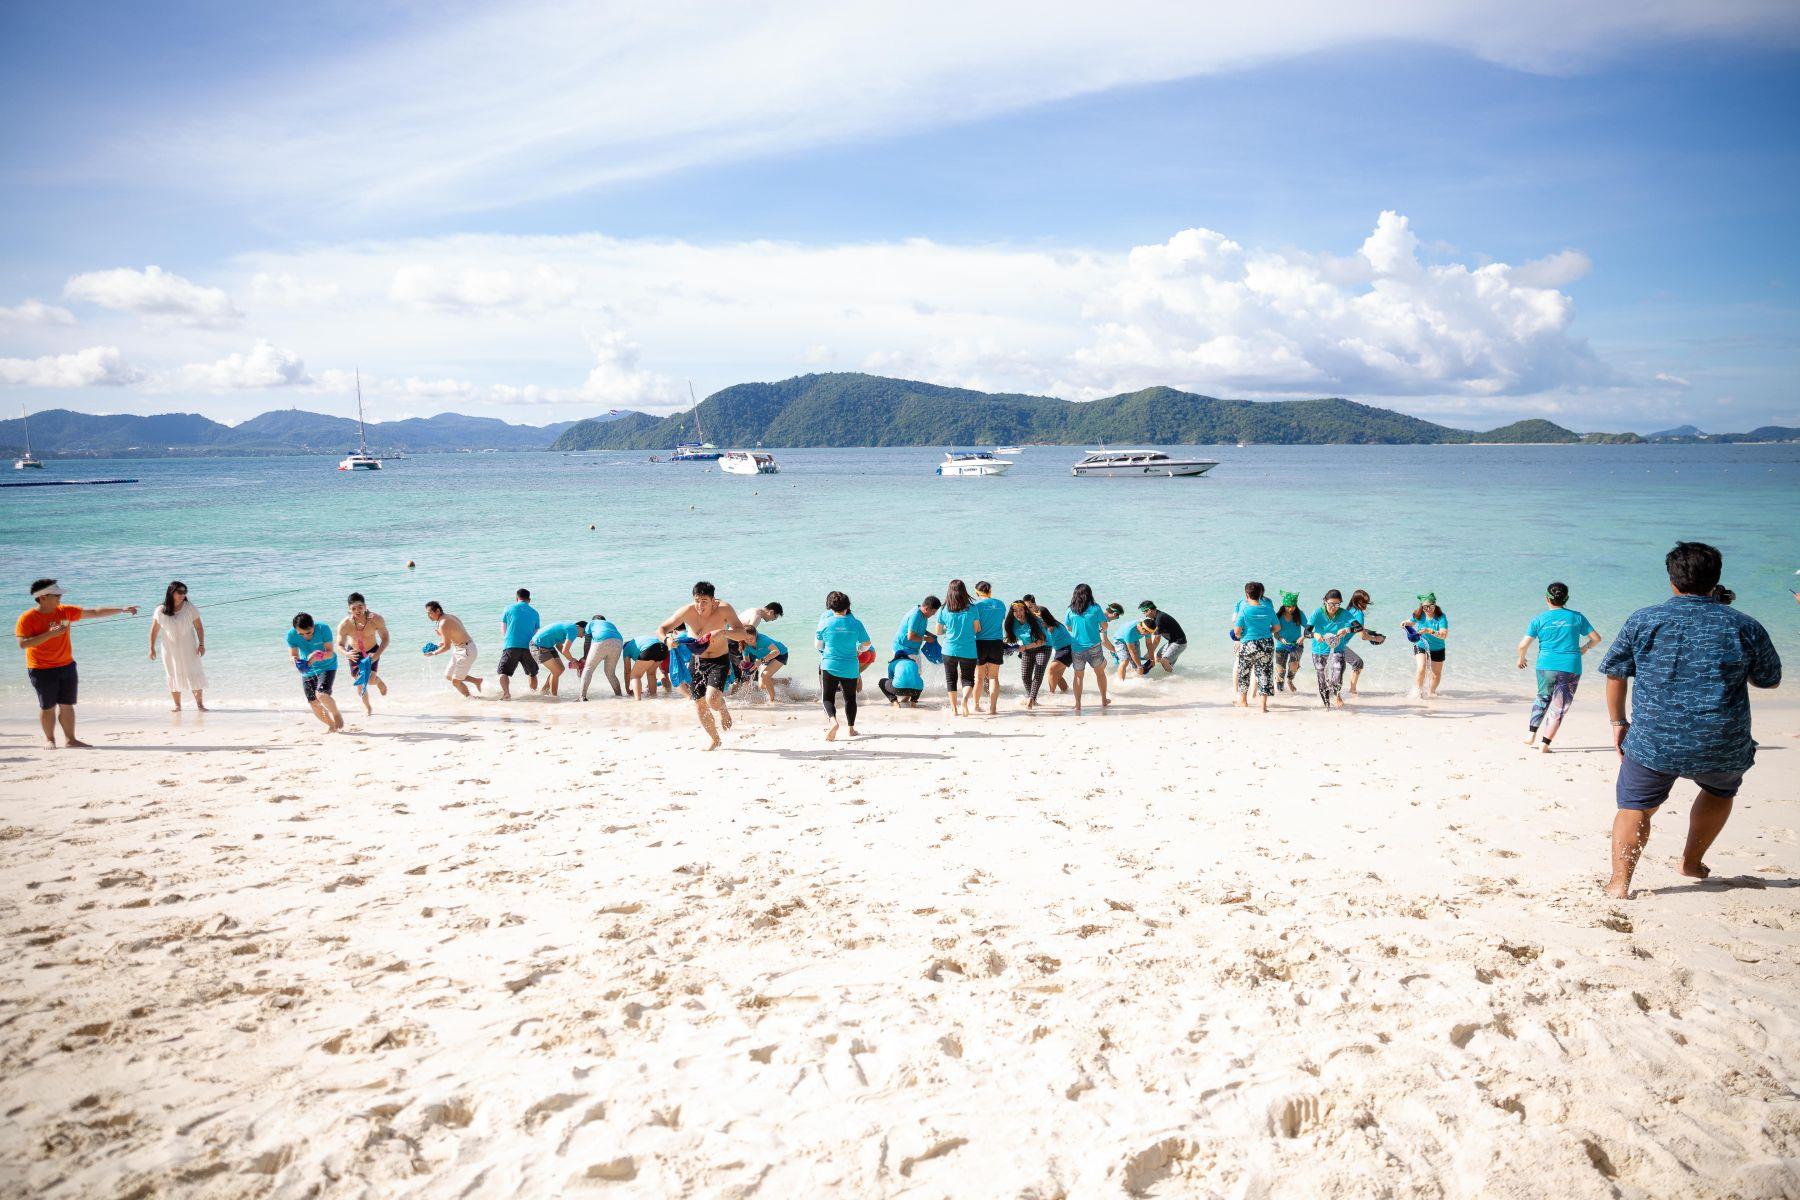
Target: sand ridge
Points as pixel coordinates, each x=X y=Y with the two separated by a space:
x=1175 y=950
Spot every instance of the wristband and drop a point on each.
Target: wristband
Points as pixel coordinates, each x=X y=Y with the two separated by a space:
x=1621 y=724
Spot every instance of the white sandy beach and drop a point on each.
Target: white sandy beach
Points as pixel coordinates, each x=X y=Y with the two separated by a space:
x=1178 y=950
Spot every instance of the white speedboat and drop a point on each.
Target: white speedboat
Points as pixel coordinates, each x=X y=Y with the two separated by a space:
x=978 y=462
x=1007 y=450
x=748 y=462
x=1139 y=464
x=26 y=462
x=360 y=459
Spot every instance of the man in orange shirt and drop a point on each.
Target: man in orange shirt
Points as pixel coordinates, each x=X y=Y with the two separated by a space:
x=43 y=634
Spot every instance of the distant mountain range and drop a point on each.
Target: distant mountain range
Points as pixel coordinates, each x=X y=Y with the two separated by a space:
x=60 y=432
x=868 y=410
x=821 y=410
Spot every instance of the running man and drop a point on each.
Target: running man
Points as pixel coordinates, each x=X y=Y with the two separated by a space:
x=1686 y=665
x=314 y=654
x=1168 y=641
x=364 y=636
x=1563 y=636
x=518 y=624
x=553 y=646
x=715 y=625
x=43 y=633
x=453 y=639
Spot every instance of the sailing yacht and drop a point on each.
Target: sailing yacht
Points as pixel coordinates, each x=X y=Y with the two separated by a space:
x=360 y=459
x=26 y=463
x=698 y=450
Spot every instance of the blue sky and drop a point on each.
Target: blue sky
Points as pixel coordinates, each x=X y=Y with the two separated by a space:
x=541 y=210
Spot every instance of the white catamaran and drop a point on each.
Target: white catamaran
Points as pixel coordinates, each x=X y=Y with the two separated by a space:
x=360 y=459
x=698 y=450
x=26 y=463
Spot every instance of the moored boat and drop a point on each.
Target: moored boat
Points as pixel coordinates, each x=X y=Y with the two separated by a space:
x=1140 y=464
x=974 y=462
x=748 y=462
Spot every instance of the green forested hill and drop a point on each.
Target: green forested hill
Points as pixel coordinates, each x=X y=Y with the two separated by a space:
x=869 y=410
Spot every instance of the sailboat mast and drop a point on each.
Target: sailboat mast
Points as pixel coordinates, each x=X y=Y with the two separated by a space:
x=27 y=423
x=362 y=438
x=699 y=430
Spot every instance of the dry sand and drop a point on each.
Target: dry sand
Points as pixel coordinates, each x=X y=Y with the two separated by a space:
x=1178 y=950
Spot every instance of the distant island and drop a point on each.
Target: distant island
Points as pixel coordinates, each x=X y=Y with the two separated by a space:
x=869 y=410
x=839 y=409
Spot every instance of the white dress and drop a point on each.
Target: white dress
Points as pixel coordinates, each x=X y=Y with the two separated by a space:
x=178 y=646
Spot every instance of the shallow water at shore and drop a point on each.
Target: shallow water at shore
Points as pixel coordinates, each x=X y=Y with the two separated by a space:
x=1483 y=526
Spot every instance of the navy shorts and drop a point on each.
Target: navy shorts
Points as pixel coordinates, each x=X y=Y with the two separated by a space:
x=1643 y=789
x=989 y=652
x=54 y=685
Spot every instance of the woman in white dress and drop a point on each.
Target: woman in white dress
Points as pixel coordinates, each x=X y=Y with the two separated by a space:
x=176 y=623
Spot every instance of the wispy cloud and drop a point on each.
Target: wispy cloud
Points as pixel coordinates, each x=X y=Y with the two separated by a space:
x=97 y=366
x=35 y=312
x=486 y=106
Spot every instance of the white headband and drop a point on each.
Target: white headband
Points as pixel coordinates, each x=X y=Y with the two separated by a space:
x=49 y=589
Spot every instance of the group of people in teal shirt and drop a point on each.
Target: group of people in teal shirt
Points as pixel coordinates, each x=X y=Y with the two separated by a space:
x=1270 y=637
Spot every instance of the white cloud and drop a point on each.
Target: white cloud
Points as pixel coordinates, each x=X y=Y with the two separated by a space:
x=1201 y=310
x=97 y=366
x=1556 y=270
x=287 y=288
x=431 y=286
x=36 y=312
x=155 y=294
x=265 y=366
x=1675 y=381
x=484 y=105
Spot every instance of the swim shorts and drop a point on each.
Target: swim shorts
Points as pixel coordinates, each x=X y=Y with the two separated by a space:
x=1643 y=789
x=1436 y=655
x=1168 y=652
x=517 y=656
x=1065 y=656
x=353 y=657
x=990 y=652
x=462 y=661
x=1093 y=656
x=545 y=654
x=54 y=685
x=316 y=685
x=709 y=673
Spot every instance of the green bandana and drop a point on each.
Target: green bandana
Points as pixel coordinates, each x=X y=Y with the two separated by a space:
x=1290 y=599
x=1427 y=597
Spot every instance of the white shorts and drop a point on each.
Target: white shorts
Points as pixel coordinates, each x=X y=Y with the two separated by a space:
x=462 y=661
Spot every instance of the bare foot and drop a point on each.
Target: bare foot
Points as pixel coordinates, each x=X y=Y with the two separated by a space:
x=1532 y=740
x=175 y=708
x=76 y=744
x=477 y=683
x=831 y=732
x=201 y=706
x=1617 y=890
x=1695 y=870
x=853 y=732
x=1544 y=749
x=1106 y=702
x=51 y=745
x=725 y=718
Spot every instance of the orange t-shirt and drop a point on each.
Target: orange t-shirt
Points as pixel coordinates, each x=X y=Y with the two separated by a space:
x=55 y=652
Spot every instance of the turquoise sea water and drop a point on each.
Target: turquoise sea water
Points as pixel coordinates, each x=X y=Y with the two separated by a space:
x=1484 y=526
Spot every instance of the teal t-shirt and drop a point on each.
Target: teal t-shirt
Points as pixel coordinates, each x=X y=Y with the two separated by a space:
x=521 y=621
x=631 y=648
x=1559 y=633
x=555 y=635
x=1324 y=624
x=913 y=622
x=904 y=673
x=1128 y=634
x=1288 y=633
x=600 y=631
x=1058 y=636
x=1428 y=626
x=321 y=637
x=958 y=632
x=1084 y=627
x=1019 y=631
x=1258 y=619
x=992 y=615
x=839 y=638
x=759 y=649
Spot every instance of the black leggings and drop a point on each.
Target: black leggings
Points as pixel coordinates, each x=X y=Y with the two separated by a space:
x=1034 y=661
x=830 y=685
x=957 y=667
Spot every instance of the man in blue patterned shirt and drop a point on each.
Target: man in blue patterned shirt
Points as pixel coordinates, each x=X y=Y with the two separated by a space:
x=1691 y=657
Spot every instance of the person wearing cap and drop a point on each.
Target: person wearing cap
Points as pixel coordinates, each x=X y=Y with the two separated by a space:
x=1167 y=639
x=1563 y=636
x=43 y=633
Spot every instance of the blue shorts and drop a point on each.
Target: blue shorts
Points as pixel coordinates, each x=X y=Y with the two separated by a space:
x=1643 y=789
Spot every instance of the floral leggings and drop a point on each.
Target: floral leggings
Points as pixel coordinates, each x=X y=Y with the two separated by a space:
x=1555 y=693
x=1330 y=671
x=1256 y=659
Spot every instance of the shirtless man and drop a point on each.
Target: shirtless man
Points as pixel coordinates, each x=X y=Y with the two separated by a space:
x=454 y=640
x=716 y=623
x=364 y=634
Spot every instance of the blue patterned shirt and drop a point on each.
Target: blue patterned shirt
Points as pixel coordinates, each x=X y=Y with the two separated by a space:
x=1690 y=658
